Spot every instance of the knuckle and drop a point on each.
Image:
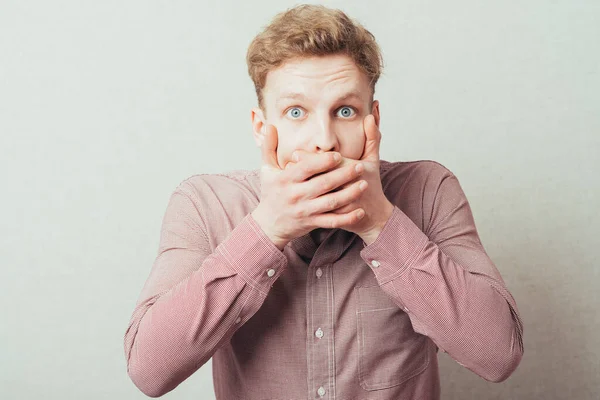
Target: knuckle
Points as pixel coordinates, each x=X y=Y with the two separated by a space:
x=294 y=196
x=306 y=169
x=279 y=180
x=324 y=185
x=298 y=212
x=351 y=172
x=298 y=174
x=332 y=202
x=307 y=211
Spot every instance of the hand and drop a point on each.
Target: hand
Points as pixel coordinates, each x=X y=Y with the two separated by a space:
x=292 y=205
x=377 y=207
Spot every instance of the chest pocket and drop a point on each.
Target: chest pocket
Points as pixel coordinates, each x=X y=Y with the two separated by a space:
x=389 y=350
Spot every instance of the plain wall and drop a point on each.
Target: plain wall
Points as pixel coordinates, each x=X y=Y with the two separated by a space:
x=106 y=106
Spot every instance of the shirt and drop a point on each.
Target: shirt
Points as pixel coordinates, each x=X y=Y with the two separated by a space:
x=322 y=319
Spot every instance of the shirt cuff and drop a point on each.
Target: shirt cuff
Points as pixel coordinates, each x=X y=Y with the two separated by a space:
x=398 y=245
x=253 y=255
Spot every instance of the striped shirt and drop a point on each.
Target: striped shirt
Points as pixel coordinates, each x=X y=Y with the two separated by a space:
x=329 y=317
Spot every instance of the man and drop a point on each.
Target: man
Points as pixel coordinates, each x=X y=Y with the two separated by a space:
x=297 y=281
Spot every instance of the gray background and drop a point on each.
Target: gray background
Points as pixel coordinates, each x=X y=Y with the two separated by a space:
x=106 y=106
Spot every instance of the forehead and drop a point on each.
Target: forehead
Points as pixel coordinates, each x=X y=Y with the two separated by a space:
x=331 y=76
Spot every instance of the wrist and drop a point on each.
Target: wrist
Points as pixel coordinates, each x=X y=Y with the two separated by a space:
x=278 y=242
x=372 y=235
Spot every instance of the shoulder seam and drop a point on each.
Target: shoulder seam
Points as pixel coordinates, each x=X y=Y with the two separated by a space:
x=180 y=189
x=436 y=199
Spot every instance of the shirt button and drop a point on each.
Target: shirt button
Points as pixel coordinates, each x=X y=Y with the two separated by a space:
x=271 y=272
x=238 y=320
x=375 y=263
x=321 y=391
x=319 y=272
x=319 y=333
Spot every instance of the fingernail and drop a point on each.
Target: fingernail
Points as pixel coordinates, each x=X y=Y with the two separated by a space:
x=295 y=156
x=337 y=156
x=359 y=168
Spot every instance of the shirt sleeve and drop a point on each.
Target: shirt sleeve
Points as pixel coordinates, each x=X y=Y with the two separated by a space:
x=449 y=287
x=194 y=299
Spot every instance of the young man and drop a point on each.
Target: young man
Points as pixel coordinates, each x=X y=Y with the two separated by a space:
x=276 y=275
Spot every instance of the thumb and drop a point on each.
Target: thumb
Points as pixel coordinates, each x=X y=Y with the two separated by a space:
x=372 y=140
x=269 y=148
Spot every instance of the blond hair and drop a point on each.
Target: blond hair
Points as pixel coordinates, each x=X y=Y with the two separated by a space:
x=312 y=30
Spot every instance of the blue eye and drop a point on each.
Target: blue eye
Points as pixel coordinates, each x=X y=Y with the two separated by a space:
x=347 y=111
x=296 y=112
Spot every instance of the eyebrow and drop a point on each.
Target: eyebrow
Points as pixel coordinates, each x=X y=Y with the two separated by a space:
x=301 y=96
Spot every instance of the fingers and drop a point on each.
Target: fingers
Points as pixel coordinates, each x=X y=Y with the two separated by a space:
x=337 y=200
x=269 y=148
x=331 y=181
x=336 y=220
x=316 y=164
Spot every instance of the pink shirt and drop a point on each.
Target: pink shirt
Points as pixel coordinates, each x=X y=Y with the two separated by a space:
x=328 y=320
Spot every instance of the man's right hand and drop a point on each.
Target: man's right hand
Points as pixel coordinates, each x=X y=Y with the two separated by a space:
x=292 y=204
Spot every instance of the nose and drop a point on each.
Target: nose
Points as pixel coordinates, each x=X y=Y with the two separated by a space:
x=325 y=136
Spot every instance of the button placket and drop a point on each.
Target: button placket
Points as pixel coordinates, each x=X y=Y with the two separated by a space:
x=321 y=350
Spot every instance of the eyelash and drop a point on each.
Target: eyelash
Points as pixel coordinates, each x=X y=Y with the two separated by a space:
x=352 y=108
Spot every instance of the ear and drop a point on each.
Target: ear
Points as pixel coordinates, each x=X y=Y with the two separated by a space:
x=259 y=125
x=375 y=112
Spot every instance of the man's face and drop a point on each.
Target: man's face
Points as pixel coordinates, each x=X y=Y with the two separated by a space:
x=317 y=104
